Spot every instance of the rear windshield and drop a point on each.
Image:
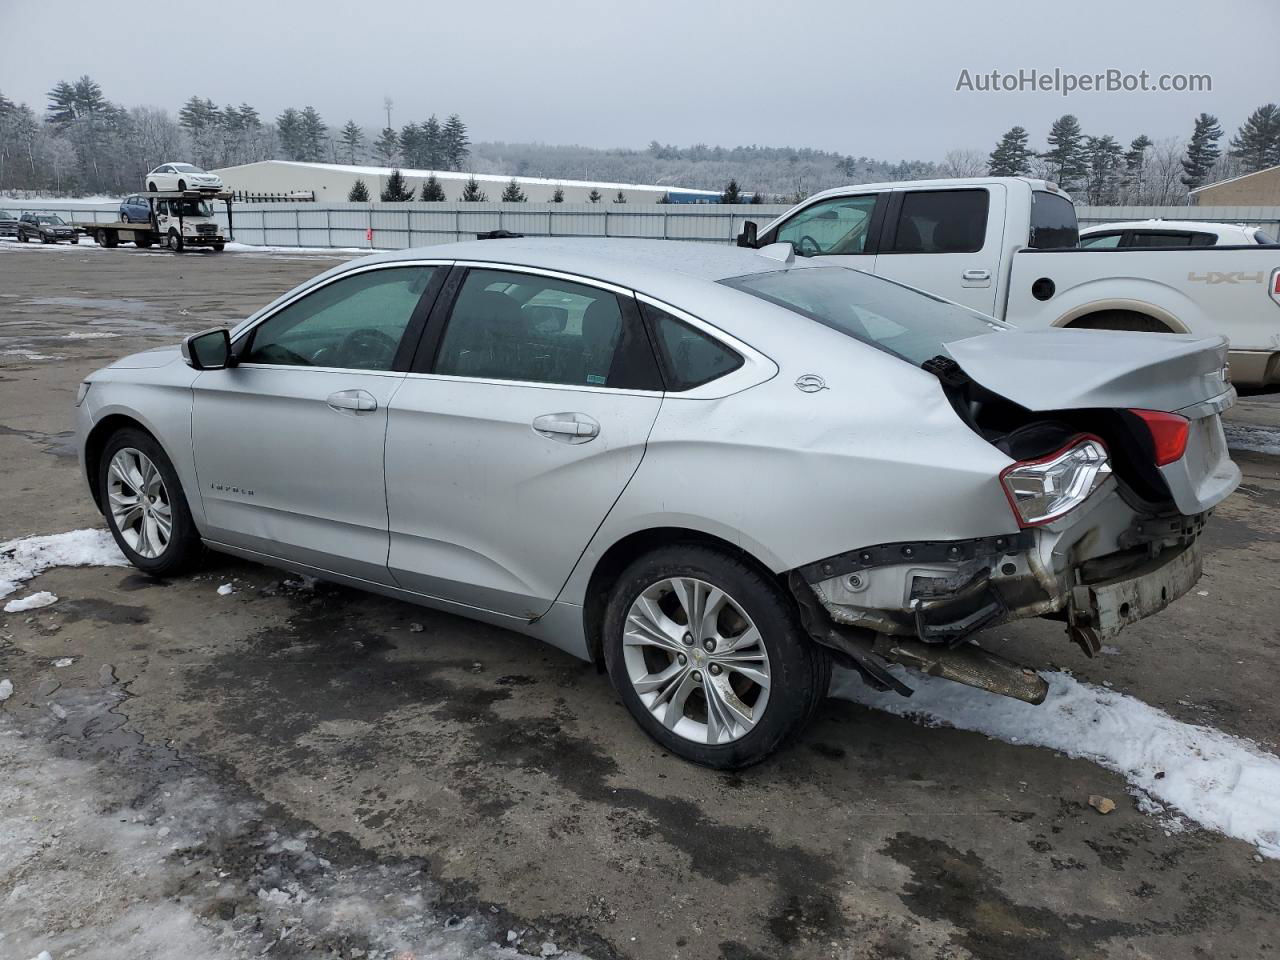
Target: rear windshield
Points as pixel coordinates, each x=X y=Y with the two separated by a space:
x=881 y=313
x=1053 y=221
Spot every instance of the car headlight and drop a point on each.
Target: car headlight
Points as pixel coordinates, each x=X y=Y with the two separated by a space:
x=82 y=392
x=1044 y=489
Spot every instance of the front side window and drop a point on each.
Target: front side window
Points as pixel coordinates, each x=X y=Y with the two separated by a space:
x=690 y=358
x=831 y=227
x=942 y=221
x=353 y=323
x=516 y=326
x=1101 y=241
x=1053 y=222
x=894 y=318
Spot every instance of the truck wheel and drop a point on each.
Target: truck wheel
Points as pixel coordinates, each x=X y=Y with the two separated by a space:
x=1119 y=320
x=219 y=247
x=109 y=238
x=174 y=241
x=140 y=241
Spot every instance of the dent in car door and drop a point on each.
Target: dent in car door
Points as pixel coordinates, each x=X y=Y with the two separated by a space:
x=947 y=242
x=495 y=486
x=289 y=444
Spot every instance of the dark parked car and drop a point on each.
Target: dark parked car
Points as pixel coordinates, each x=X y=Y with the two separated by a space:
x=8 y=223
x=135 y=209
x=46 y=228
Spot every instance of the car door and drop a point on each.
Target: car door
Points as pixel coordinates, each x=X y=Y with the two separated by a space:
x=946 y=241
x=525 y=417
x=843 y=229
x=288 y=444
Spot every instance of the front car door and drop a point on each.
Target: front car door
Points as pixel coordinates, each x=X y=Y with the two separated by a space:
x=525 y=417
x=289 y=443
x=946 y=241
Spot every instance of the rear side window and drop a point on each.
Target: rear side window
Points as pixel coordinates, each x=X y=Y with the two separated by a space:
x=1261 y=237
x=690 y=358
x=942 y=221
x=1171 y=238
x=1101 y=241
x=1053 y=221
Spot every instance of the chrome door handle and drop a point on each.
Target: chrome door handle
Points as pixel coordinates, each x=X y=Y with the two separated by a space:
x=358 y=401
x=567 y=427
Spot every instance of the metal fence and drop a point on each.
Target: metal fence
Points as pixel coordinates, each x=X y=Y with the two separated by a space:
x=365 y=226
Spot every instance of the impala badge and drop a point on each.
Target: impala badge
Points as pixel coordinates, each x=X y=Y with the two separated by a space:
x=810 y=383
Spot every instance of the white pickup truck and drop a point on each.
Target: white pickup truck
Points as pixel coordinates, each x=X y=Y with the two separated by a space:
x=1009 y=247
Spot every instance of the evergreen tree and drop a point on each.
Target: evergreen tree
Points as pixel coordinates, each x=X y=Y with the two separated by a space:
x=457 y=146
x=352 y=139
x=386 y=146
x=432 y=191
x=1257 y=144
x=1066 y=152
x=411 y=146
x=594 y=196
x=1135 y=168
x=557 y=196
x=359 y=193
x=731 y=193
x=757 y=197
x=289 y=130
x=396 y=190
x=513 y=193
x=1103 y=156
x=1011 y=158
x=196 y=115
x=433 y=143
x=472 y=193
x=620 y=198
x=1202 y=151
x=313 y=134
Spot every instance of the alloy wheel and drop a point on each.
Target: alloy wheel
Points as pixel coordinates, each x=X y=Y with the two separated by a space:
x=696 y=660
x=139 y=502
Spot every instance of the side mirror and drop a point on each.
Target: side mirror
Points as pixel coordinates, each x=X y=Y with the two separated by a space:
x=208 y=350
x=747 y=238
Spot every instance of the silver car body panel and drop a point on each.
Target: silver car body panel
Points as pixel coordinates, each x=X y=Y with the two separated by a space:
x=446 y=494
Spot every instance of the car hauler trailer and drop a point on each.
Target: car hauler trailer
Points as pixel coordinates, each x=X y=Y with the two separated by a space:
x=178 y=219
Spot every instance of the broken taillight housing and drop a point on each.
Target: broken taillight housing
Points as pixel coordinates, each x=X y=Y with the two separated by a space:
x=1043 y=489
x=1169 y=433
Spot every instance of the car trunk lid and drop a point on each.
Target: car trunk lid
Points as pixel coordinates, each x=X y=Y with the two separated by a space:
x=1082 y=369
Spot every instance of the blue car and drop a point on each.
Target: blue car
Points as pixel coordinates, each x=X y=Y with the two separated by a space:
x=135 y=210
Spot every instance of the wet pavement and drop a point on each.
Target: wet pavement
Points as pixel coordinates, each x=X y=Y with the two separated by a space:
x=431 y=789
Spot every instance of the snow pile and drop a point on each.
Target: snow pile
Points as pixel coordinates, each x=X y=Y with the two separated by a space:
x=226 y=590
x=1247 y=436
x=20 y=560
x=88 y=335
x=34 y=602
x=6 y=689
x=1221 y=782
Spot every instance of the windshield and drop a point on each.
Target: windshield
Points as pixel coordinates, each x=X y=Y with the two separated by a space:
x=185 y=168
x=190 y=208
x=53 y=220
x=881 y=313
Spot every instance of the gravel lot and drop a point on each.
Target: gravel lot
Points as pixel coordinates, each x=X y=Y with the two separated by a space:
x=308 y=770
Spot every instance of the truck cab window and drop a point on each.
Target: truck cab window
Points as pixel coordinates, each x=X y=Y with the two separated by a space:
x=942 y=221
x=1053 y=222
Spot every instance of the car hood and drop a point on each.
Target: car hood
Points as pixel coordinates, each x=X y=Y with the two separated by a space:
x=159 y=357
x=1079 y=369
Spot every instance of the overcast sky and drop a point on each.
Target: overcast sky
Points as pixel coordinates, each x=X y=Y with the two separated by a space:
x=877 y=80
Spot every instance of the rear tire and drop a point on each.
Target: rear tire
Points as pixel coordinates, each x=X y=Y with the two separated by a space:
x=765 y=691
x=151 y=187
x=140 y=493
x=182 y=186
x=1120 y=320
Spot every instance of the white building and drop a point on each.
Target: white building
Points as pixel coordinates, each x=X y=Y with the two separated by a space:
x=332 y=182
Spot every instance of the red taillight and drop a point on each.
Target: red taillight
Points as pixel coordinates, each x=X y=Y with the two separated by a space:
x=1169 y=433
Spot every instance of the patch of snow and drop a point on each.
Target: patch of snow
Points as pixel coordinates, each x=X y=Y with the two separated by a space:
x=34 y=602
x=226 y=590
x=6 y=689
x=28 y=557
x=88 y=335
x=1222 y=782
x=64 y=661
x=28 y=354
x=1247 y=436
x=236 y=246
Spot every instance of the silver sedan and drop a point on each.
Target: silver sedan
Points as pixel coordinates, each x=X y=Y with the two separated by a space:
x=714 y=471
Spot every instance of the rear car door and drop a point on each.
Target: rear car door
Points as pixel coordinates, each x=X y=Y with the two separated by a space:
x=946 y=241
x=288 y=444
x=524 y=418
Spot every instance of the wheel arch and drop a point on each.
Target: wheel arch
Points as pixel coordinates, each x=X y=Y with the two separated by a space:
x=1140 y=308
x=613 y=561
x=96 y=441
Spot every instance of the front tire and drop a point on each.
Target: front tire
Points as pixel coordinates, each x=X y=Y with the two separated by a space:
x=174 y=241
x=708 y=655
x=145 y=507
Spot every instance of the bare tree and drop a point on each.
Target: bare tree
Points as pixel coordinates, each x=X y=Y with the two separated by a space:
x=1162 y=184
x=963 y=163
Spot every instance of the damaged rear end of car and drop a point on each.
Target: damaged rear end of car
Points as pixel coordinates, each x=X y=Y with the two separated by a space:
x=1115 y=460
